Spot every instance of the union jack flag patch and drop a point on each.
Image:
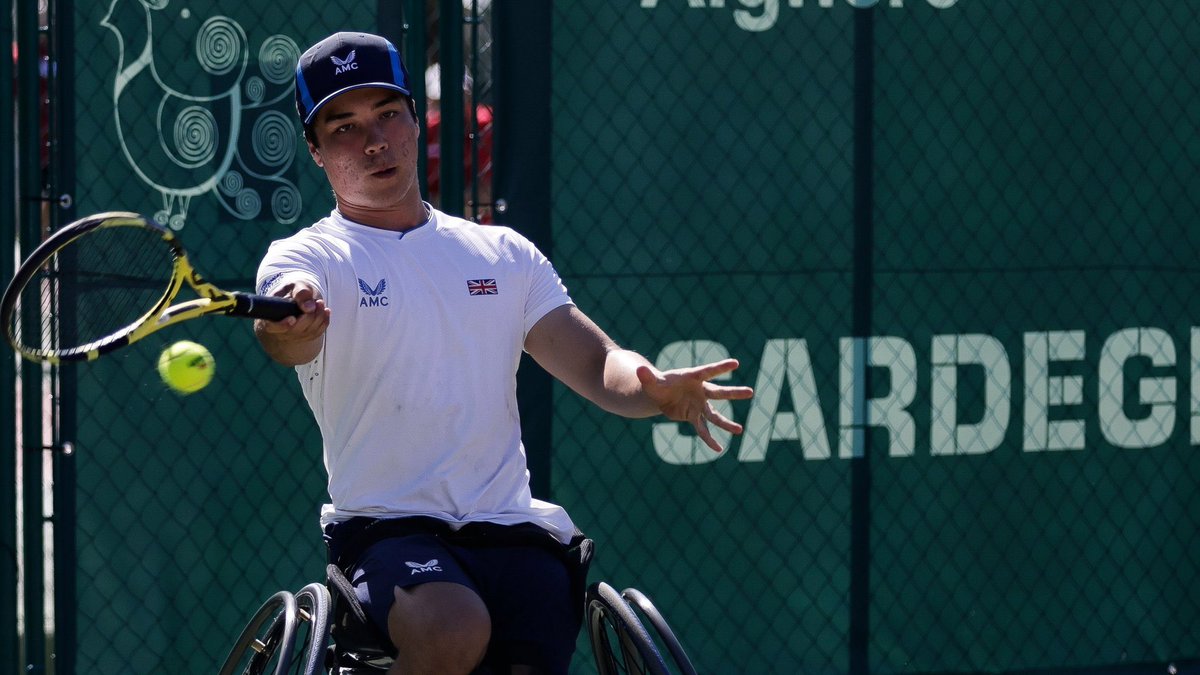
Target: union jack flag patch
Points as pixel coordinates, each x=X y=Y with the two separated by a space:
x=482 y=287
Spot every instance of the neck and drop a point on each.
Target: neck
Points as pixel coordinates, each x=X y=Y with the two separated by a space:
x=399 y=217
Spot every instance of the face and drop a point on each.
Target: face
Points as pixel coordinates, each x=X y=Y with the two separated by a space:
x=367 y=145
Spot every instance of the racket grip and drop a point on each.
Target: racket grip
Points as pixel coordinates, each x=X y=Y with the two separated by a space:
x=264 y=307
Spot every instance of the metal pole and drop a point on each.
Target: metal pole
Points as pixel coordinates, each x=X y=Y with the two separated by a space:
x=30 y=218
x=62 y=189
x=474 y=117
x=522 y=186
x=450 y=56
x=9 y=653
x=403 y=22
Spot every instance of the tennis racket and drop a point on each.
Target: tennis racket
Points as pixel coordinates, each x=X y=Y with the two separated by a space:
x=107 y=281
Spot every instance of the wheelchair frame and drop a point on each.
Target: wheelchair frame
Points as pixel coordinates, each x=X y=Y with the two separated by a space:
x=290 y=633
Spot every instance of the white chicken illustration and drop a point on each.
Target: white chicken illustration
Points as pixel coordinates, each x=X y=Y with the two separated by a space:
x=221 y=134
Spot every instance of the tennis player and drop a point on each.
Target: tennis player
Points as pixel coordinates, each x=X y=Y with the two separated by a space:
x=407 y=352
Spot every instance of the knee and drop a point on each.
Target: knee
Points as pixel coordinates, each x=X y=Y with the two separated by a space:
x=444 y=634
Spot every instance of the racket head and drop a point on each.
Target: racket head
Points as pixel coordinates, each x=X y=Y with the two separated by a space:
x=91 y=285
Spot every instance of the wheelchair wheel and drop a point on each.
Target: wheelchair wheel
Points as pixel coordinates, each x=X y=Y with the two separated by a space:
x=313 y=607
x=257 y=648
x=666 y=636
x=620 y=643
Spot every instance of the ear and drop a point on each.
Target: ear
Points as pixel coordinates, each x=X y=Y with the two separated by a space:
x=315 y=153
x=419 y=130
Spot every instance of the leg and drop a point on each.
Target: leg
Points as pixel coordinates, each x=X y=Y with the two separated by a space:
x=535 y=617
x=414 y=591
x=438 y=627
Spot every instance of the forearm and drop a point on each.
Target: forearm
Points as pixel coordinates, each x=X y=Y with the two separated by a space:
x=622 y=393
x=573 y=349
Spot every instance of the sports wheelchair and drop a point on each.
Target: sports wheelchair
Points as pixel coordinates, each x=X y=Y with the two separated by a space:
x=322 y=629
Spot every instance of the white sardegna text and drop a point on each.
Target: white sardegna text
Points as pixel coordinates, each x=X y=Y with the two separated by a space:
x=1050 y=385
x=760 y=15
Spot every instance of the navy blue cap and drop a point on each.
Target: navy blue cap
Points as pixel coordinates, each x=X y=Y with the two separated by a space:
x=345 y=61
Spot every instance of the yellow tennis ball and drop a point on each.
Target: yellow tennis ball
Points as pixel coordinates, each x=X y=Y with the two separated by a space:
x=186 y=367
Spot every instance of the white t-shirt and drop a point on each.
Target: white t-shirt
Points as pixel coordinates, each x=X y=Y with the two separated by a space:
x=415 y=386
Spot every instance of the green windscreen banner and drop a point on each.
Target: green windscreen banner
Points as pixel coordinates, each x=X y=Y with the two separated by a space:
x=953 y=245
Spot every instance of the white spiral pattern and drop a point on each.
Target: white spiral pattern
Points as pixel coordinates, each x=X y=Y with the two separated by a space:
x=195 y=136
x=285 y=204
x=255 y=89
x=247 y=204
x=277 y=58
x=219 y=45
x=274 y=138
x=231 y=183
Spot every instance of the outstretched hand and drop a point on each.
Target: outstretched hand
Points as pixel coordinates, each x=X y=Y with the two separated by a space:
x=685 y=395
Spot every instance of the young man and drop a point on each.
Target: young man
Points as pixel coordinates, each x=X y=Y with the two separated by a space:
x=407 y=352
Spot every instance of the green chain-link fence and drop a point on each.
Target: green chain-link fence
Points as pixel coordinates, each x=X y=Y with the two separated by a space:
x=192 y=510
x=951 y=242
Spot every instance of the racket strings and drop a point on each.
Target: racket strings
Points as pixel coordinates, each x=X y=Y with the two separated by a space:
x=98 y=285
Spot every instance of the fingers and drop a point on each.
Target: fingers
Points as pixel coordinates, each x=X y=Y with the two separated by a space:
x=646 y=376
x=722 y=421
x=304 y=296
x=706 y=436
x=315 y=317
x=713 y=370
x=718 y=392
x=710 y=371
x=686 y=395
x=700 y=424
x=311 y=323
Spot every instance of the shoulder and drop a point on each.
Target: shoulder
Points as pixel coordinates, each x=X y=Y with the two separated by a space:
x=500 y=236
x=322 y=235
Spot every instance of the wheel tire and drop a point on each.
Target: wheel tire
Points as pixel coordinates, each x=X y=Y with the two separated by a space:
x=610 y=619
x=279 y=615
x=313 y=603
x=666 y=636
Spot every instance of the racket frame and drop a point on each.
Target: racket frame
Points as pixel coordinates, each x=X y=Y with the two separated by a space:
x=211 y=300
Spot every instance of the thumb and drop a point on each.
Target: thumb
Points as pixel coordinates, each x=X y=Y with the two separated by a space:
x=646 y=376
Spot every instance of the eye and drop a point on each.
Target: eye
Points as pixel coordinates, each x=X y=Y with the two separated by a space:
x=389 y=114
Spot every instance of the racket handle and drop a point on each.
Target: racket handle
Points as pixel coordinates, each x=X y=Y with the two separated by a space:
x=264 y=307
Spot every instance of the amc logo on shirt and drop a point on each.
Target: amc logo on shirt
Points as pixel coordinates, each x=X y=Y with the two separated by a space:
x=372 y=296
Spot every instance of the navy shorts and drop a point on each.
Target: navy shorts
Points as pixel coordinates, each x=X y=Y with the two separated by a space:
x=526 y=587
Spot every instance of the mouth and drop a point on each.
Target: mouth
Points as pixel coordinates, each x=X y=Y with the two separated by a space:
x=384 y=173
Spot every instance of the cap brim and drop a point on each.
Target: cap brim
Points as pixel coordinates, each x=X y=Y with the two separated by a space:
x=362 y=85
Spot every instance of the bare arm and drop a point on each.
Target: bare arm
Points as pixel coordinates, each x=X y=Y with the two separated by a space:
x=576 y=351
x=296 y=339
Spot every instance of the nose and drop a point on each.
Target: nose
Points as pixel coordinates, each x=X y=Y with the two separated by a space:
x=376 y=141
